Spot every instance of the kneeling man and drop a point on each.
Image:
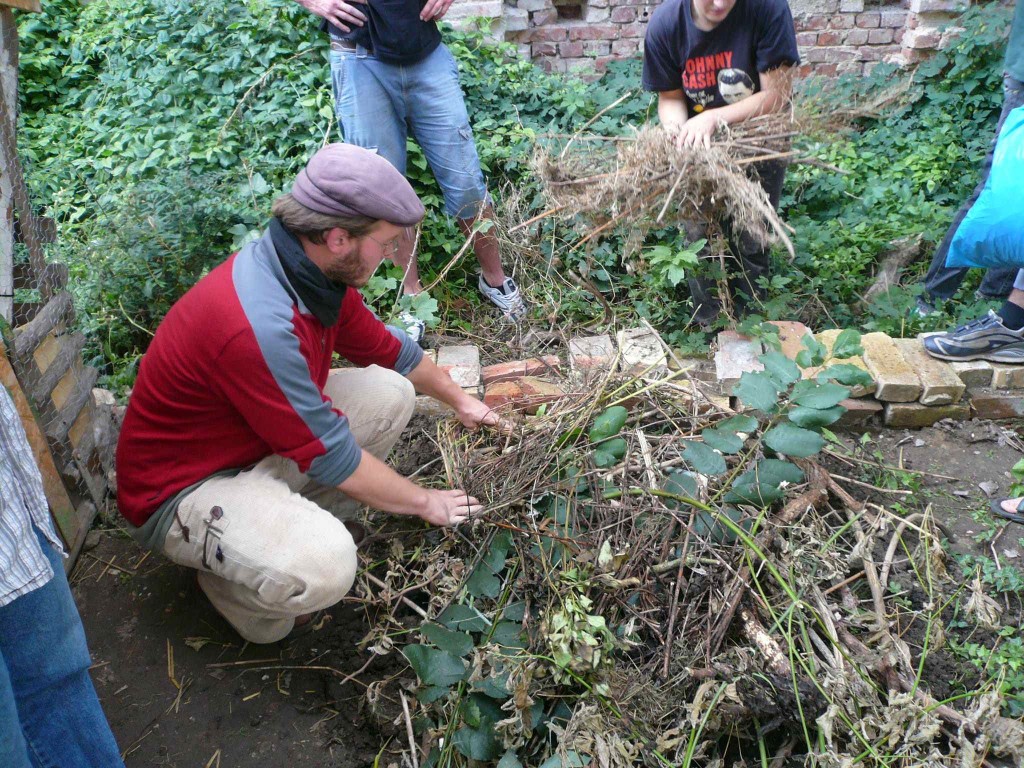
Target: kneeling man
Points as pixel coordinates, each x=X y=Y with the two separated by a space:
x=242 y=451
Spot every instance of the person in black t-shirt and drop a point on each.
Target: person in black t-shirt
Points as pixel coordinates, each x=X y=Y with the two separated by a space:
x=392 y=75
x=715 y=62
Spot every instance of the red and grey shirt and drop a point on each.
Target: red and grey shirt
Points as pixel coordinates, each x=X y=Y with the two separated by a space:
x=236 y=373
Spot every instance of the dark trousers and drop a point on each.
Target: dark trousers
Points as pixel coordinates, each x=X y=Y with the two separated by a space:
x=942 y=282
x=752 y=259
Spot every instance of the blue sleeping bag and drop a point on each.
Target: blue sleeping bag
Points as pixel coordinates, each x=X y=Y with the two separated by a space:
x=992 y=233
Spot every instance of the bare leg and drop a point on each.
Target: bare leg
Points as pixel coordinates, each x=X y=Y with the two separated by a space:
x=1016 y=297
x=403 y=259
x=485 y=246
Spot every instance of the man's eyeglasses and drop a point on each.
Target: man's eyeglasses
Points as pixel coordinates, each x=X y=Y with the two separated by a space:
x=389 y=249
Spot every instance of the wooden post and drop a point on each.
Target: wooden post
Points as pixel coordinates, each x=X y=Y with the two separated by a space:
x=8 y=153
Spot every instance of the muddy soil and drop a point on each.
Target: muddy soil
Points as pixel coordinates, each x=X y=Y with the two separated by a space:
x=181 y=689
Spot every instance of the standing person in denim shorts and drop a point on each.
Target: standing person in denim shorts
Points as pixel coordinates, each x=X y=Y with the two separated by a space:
x=392 y=74
x=942 y=282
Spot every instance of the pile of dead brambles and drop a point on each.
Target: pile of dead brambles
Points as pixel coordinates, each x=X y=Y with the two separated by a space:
x=662 y=579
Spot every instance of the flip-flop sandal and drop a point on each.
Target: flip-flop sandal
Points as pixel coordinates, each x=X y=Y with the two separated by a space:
x=1016 y=517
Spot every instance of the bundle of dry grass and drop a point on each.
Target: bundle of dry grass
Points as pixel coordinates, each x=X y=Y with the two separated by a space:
x=646 y=180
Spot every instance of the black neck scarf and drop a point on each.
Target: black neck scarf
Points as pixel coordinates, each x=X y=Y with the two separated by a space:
x=318 y=293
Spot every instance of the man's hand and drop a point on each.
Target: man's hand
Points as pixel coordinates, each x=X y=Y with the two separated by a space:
x=698 y=131
x=341 y=13
x=475 y=414
x=435 y=10
x=449 y=507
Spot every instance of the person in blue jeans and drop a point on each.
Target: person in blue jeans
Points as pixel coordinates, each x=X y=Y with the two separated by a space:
x=50 y=716
x=391 y=74
x=942 y=282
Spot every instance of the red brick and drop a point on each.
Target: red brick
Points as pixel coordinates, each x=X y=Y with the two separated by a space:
x=829 y=38
x=548 y=34
x=626 y=47
x=840 y=54
x=597 y=48
x=593 y=32
x=546 y=49
x=892 y=19
x=543 y=18
x=859 y=412
x=925 y=37
x=878 y=52
x=806 y=38
x=826 y=70
x=636 y=29
x=986 y=404
x=623 y=14
x=869 y=20
x=811 y=23
x=880 y=36
x=526 y=394
x=844 y=21
x=570 y=50
x=516 y=369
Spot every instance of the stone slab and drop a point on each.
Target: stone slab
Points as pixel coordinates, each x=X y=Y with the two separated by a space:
x=462 y=363
x=828 y=339
x=917 y=416
x=1007 y=376
x=736 y=355
x=641 y=351
x=895 y=379
x=940 y=384
x=991 y=404
x=589 y=352
x=974 y=373
x=859 y=412
x=516 y=369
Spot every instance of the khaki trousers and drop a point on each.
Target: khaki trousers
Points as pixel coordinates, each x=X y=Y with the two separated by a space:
x=279 y=549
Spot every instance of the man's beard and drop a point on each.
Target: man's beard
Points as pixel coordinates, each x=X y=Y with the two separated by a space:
x=349 y=271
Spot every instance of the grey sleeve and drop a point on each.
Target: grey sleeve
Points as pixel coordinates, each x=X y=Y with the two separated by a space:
x=410 y=355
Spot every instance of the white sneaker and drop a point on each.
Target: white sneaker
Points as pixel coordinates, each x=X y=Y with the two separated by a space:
x=414 y=327
x=506 y=298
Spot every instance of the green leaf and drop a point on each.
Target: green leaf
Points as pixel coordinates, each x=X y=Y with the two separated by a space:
x=572 y=760
x=608 y=423
x=610 y=452
x=762 y=485
x=463 y=618
x=435 y=667
x=681 y=484
x=783 y=370
x=846 y=374
x=722 y=440
x=509 y=634
x=457 y=643
x=813 y=418
x=812 y=394
x=739 y=423
x=847 y=344
x=485 y=580
x=813 y=354
x=758 y=391
x=703 y=459
x=509 y=760
x=793 y=441
x=477 y=743
x=514 y=611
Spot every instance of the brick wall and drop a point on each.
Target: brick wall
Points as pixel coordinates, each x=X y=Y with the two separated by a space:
x=835 y=36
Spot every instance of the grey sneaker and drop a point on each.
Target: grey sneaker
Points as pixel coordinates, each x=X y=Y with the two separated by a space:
x=924 y=308
x=414 y=327
x=983 y=339
x=506 y=298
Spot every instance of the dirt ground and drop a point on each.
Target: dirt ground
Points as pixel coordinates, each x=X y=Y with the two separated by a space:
x=181 y=689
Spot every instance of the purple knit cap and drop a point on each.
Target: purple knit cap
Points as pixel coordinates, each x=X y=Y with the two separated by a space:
x=346 y=180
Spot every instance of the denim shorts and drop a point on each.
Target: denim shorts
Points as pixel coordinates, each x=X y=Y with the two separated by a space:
x=379 y=105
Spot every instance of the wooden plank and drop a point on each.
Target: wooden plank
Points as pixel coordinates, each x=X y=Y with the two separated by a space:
x=61 y=507
x=34 y=6
x=46 y=228
x=84 y=516
x=46 y=352
x=77 y=399
x=8 y=150
x=60 y=309
x=67 y=362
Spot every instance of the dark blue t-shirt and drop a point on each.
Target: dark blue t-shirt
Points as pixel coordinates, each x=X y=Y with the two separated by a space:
x=393 y=31
x=721 y=66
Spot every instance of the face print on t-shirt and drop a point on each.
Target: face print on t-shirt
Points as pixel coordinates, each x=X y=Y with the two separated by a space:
x=735 y=85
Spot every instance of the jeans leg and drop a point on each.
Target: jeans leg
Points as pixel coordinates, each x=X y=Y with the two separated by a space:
x=367 y=101
x=753 y=257
x=703 y=287
x=43 y=646
x=13 y=750
x=440 y=125
x=942 y=282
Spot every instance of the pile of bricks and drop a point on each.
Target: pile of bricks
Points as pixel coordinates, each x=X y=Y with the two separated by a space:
x=908 y=389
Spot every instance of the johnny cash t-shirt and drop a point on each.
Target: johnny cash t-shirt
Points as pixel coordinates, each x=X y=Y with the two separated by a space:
x=721 y=66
